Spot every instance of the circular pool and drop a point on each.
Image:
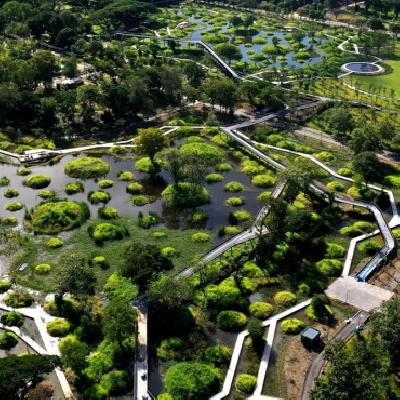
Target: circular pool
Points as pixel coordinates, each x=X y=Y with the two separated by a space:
x=362 y=68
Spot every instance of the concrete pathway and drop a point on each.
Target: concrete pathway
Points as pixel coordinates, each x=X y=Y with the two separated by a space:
x=271 y=323
x=141 y=364
x=359 y=294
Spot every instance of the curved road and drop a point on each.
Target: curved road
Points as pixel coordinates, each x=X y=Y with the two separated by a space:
x=317 y=364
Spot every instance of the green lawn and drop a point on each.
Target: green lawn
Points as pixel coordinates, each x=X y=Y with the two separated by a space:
x=386 y=81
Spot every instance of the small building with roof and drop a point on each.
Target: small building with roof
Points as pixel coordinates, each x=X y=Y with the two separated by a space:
x=310 y=337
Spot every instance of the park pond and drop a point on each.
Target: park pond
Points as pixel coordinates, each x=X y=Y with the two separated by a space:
x=171 y=217
x=263 y=44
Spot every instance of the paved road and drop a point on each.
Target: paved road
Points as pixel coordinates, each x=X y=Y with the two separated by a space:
x=318 y=362
x=141 y=364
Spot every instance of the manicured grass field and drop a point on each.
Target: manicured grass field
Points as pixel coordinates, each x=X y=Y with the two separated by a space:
x=386 y=81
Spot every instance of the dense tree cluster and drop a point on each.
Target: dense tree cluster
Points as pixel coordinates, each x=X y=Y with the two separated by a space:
x=366 y=367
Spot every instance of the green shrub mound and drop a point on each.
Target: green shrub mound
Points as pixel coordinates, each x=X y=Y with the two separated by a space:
x=141 y=200
x=223 y=167
x=264 y=197
x=115 y=383
x=292 y=326
x=335 y=186
x=99 y=196
x=69 y=308
x=37 y=181
x=233 y=186
x=106 y=183
x=370 y=247
x=164 y=396
x=18 y=299
x=264 y=180
x=345 y=172
x=74 y=187
x=4 y=181
x=396 y=233
x=9 y=221
x=218 y=355
x=170 y=349
x=56 y=216
x=358 y=228
x=235 y=201
x=54 y=243
x=285 y=298
x=192 y=380
x=14 y=206
x=186 y=194
x=250 y=167
x=125 y=176
x=324 y=156
x=43 y=268
x=11 y=193
x=106 y=212
x=4 y=286
x=159 y=234
x=134 y=188
x=144 y=164
x=334 y=250
x=169 y=251
x=8 y=340
x=105 y=231
x=245 y=383
x=99 y=262
x=231 y=320
x=197 y=217
x=329 y=266
x=206 y=151
x=201 y=237
x=12 y=318
x=239 y=216
x=229 y=230
x=58 y=327
x=392 y=181
x=147 y=221
x=86 y=168
x=23 y=171
x=252 y=270
x=214 y=178
x=47 y=194
x=319 y=310
x=261 y=310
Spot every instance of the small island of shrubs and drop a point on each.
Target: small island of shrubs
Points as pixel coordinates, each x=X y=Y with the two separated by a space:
x=186 y=194
x=37 y=181
x=11 y=193
x=86 y=168
x=105 y=231
x=54 y=216
x=74 y=187
x=14 y=206
x=99 y=196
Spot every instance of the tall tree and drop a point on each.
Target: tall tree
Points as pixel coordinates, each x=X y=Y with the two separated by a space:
x=143 y=263
x=76 y=278
x=22 y=372
x=385 y=325
x=119 y=321
x=150 y=141
x=357 y=371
